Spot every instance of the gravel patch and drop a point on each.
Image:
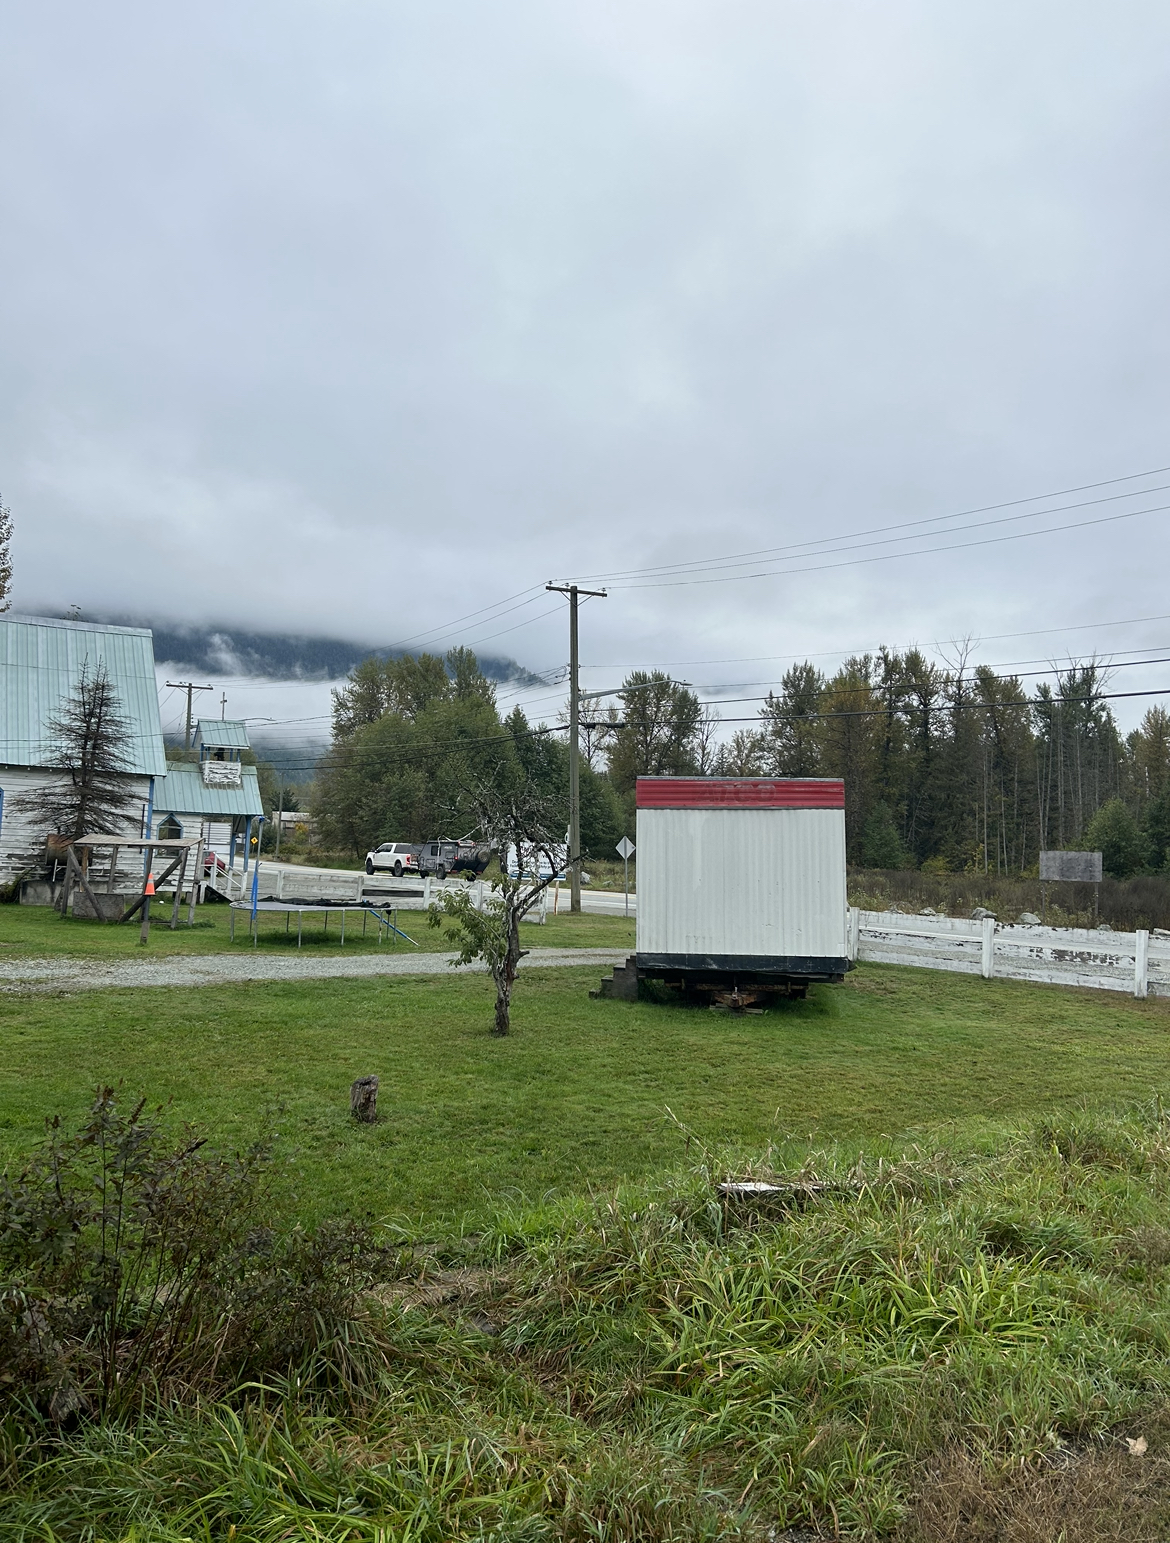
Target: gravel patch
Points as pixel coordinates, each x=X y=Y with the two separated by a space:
x=73 y=974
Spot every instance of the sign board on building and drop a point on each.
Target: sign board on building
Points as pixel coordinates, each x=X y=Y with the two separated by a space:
x=1071 y=867
x=222 y=774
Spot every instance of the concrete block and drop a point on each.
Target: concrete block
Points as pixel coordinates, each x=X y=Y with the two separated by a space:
x=111 y=908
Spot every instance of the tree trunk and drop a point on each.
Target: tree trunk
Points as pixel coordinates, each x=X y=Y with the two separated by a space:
x=363 y=1100
x=505 y=975
x=503 y=1021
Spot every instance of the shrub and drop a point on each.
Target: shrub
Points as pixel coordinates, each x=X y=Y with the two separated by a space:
x=881 y=846
x=1114 y=832
x=135 y=1261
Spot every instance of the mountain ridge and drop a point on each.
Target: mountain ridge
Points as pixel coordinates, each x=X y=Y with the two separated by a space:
x=229 y=650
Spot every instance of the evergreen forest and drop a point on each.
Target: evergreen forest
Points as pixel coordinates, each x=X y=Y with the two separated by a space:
x=948 y=769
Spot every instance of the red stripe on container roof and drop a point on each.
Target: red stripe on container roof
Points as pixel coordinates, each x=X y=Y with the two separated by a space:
x=740 y=793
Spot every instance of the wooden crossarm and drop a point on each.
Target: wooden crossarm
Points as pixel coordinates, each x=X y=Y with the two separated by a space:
x=162 y=880
x=84 y=882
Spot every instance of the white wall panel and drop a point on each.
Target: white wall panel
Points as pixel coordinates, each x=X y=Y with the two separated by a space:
x=22 y=832
x=742 y=881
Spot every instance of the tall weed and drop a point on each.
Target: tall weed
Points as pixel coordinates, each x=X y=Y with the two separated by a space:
x=137 y=1264
x=905 y=1339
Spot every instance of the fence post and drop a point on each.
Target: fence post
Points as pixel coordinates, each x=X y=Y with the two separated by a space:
x=988 y=959
x=426 y=889
x=1141 y=964
x=853 y=943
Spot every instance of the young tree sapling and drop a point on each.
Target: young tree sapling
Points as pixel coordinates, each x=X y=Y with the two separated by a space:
x=527 y=822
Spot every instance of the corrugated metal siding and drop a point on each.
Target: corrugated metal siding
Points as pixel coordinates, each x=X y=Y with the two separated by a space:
x=740 y=793
x=40 y=662
x=742 y=881
x=222 y=733
x=182 y=792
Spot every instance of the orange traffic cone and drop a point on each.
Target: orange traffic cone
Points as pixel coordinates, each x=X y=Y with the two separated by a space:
x=149 y=890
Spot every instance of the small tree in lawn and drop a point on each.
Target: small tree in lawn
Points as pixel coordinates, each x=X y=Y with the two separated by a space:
x=89 y=740
x=532 y=825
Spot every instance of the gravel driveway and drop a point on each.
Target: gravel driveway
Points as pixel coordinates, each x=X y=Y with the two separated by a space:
x=73 y=974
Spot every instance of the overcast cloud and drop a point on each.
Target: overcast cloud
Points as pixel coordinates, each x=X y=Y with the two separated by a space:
x=353 y=318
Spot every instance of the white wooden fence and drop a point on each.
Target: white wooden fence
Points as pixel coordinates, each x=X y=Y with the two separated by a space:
x=1063 y=956
x=341 y=887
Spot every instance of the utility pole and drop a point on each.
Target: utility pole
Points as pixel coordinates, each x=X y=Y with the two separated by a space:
x=574 y=747
x=223 y=707
x=189 y=688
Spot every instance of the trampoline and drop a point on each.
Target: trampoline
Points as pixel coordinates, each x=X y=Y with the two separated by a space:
x=385 y=916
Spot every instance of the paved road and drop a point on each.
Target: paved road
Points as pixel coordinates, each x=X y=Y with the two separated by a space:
x=73 y=974
x=608 y=901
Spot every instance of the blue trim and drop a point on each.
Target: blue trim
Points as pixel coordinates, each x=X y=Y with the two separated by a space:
x=256 y=871
x=148 y=832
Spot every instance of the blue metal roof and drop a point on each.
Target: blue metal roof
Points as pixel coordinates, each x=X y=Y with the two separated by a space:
x=40 y=663
x=182 y=791
x=222 y=733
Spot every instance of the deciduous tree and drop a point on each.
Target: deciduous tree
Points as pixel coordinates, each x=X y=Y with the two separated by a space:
x=1114 y=833
x=529 y=822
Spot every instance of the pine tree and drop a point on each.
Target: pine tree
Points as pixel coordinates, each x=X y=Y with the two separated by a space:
x=881 y=846
x=790 y=746
x=659 y=734
x=1157 y=830
x=89 y=740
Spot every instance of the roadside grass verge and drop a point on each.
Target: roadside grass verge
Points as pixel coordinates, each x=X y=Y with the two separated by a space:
x=38 y=931
x=577 y=1095
x=942 y=1342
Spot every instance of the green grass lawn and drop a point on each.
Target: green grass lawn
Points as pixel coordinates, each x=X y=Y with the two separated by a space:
x=578 y=1095
x=38 y=931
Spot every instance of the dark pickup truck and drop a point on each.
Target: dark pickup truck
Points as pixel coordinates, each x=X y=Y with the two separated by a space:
x=443 y=857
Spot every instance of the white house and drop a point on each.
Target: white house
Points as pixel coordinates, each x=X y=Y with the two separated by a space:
x=41 y=661
x=216 y=797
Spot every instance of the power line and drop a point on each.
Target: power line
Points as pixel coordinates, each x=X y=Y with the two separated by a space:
x=1029 y=705
x=533 y=590
x=1051 y=669
x=1013 y=503
x=840 y=653
x=797 y=550
x=1122 y=664
x=888 y=557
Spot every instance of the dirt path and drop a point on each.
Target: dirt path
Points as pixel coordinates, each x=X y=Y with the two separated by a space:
x=74 y=974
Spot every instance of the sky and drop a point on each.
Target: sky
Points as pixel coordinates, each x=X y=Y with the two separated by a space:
x=369 y=319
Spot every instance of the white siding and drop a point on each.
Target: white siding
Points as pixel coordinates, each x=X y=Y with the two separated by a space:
x=22 y=836
x=742 y=881
x=216 y=835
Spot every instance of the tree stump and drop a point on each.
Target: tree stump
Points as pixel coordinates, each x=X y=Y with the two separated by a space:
x=363 y=1100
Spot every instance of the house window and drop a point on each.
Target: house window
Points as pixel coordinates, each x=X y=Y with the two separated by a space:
x=170 y=829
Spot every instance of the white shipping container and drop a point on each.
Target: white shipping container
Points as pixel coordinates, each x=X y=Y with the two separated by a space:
x=741 y=876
